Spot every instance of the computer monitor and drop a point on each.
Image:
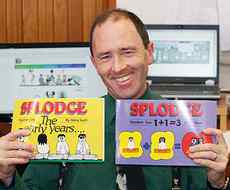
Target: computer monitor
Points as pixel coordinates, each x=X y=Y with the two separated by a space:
x=59 y=70
x=184 y=54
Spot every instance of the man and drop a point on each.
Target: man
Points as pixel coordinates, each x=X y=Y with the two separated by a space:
x=121 y=52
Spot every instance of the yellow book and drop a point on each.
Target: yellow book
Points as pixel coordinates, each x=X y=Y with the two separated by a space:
x=66 y=129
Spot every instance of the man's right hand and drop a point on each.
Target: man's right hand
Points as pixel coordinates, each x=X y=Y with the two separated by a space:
x=13 y=152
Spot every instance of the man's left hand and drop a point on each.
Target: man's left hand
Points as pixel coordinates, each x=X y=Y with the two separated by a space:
x=213 y=156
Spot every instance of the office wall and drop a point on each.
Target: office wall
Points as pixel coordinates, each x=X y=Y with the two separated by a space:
x=225 y=70
x=49 y=20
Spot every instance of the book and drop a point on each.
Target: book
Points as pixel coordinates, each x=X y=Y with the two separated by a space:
x=63 y=129
x=160 y=132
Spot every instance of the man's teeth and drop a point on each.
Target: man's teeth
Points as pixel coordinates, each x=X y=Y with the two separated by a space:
x=122 y=79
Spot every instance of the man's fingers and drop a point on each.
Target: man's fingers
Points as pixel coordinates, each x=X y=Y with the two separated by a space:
x=15 y=161
x=19 y=154
x=218 y=167
x=204 y=155
x=15 y=145
x=216 y=132
x=204 y=147
x=208 y=163
x=15 y=134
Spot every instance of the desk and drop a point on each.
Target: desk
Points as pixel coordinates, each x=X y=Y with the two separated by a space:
x=222 y=112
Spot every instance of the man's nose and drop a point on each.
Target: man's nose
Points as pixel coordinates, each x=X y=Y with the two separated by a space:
x=118 y=64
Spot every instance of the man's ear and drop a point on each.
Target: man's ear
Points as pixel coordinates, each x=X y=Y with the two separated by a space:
x=92 y=59
x=150 y=50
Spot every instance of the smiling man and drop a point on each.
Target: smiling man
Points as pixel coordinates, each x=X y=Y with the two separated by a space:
x=121 y=58
x=121 y=52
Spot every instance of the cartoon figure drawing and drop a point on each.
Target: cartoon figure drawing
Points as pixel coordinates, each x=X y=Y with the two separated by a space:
x=62 y=146
x=121 y=180
x=52 y=78
x=42 y=146
x=50 y=94
x=196 y=141
x=82 y=145
x=23 y=80
x=201 y=140
x=21 y=138
x=41 y=80
x=131 y=143
x=64 y=79
x=162 y=145
x=59 y=80
x=31 y=76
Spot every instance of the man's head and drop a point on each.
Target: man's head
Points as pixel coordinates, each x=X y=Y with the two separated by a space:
x=121 y=52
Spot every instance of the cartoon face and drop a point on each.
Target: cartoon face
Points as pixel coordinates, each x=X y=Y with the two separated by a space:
x=201 y=140
x=42 y=139
x=61 y=138
x=21 y=138
x=50 y=94
x=162 y=140
x=194 y=141
x=81 y=137
x=130 y=139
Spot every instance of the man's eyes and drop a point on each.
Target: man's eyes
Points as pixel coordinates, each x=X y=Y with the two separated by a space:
x=104 y=57
x=128 y=52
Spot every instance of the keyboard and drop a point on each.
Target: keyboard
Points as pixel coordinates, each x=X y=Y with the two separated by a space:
x=187 y=91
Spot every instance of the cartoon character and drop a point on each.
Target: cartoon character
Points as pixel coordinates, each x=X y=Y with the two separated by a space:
x=52 y=78
x=23 y=82
x=42 y=146
x=131 y=143
x=62 y=146
x=201 y=140
x=162 y=145
x=82 y=145
x=21 y=138
x=64 y=79
x=196 y=140
x=31 y=76
x=59 y=80
x=50 y=94
x=41 y=80
x=121 y=180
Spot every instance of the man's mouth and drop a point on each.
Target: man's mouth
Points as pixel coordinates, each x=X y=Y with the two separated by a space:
x=123 y=79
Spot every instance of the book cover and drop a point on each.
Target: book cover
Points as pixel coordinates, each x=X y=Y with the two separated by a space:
x=69 y=129
x=160 y=132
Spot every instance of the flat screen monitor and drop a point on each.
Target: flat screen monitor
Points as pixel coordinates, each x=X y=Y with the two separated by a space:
x=62 y=70
x=184 y=53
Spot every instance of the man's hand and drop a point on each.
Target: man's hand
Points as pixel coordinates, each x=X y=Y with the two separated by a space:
x=13 y=152
x=213 y=156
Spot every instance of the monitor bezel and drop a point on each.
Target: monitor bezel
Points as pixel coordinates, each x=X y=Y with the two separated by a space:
x=185 y=80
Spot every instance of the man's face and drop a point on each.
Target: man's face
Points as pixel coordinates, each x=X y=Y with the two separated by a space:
x=120 y=58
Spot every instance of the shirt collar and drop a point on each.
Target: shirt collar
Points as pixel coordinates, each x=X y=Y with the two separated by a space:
x=110 y=103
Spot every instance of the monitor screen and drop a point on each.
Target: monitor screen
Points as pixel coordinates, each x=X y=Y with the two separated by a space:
x=186 y=53
x=45 y=71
